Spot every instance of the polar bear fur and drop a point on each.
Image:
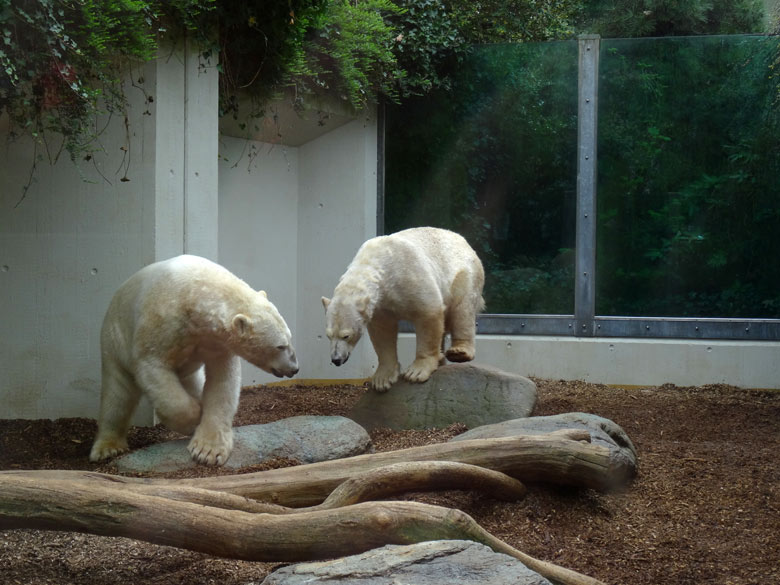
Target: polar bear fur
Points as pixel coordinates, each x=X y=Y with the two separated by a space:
x=428 y=276
x=174 y=332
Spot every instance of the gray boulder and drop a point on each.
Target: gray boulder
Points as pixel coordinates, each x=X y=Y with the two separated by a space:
x=455 y=393
x=602 y=432
x=428 y=563
x=307 y=439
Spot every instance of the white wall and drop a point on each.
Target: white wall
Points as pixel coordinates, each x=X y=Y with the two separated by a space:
x=68 y=245
x=337 y=213
x=290 y=219
x=628 y=362
x=258 y=224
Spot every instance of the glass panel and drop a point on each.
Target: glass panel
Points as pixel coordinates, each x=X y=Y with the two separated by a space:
x=689 y=178
x=494 y=159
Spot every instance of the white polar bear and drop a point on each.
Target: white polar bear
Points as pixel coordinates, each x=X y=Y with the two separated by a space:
x=174 y=331
x=428 y=276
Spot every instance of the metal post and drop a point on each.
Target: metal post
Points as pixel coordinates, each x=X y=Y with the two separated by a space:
x=587 y=127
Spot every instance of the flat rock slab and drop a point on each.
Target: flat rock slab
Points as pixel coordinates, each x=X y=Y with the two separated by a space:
x=455 y=393
x=307 y=439
x=602 y=432
x=438 y=562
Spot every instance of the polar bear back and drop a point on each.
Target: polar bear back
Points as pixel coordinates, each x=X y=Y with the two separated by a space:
x=163 y=298
x=421 y=259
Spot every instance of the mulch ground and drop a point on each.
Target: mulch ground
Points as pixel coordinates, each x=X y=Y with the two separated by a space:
x=704 y=508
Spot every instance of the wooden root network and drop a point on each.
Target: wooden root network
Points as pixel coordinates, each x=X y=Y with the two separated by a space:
x=317 y=511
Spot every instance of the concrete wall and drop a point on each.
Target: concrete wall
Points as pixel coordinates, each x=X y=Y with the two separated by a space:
x=290 y=219
x=628 y=362
x=258 y=224
x=72 y=240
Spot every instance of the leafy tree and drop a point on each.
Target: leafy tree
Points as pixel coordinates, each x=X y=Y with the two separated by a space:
x=661 y=18
x=688 y=171
x=689 y=187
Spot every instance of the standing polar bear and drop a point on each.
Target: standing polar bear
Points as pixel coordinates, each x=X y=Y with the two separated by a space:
x=428 y=276
x=174 y=332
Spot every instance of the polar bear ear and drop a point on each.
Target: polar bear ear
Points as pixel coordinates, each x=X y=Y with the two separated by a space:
x=361 y=305
x=325 y=302
x=263 y=294
x=241 y=324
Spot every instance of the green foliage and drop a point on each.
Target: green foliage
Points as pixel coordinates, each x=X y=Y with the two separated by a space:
x=428 y=45
x=660 y=18
x=494 y=159
x=689 y=199
x=689 y=174
x=62 y=63
x=351 y=53
x=499 y=21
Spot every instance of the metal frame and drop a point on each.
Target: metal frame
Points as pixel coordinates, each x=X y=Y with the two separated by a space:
x=584 y=322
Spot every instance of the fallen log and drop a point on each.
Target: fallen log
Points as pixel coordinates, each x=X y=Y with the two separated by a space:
x=374 y=484
x=109 y=508
x=563 y=457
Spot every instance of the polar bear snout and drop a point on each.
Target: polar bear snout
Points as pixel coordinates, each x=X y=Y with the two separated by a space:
x=339 y=352
x=286 y=364
x=286 y=371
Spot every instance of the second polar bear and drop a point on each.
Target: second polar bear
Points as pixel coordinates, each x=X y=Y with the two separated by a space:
x=174 y=332
x=428 y=276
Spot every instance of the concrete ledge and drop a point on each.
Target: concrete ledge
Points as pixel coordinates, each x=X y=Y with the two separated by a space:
x=630 y=362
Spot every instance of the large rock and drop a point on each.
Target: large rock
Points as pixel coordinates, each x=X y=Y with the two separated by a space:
x=307 y=439
x=455 y=393
x=437 y=562
x=602 y=432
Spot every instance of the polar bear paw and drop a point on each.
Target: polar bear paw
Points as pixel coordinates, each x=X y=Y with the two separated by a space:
x=421 y=369
x=107 y=448
x=384 y=377
x=211 y=447
x=460 y=352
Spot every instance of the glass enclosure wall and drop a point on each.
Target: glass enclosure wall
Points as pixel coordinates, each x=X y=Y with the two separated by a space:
x=495 y=160
x=688 y=189
x=689 y=178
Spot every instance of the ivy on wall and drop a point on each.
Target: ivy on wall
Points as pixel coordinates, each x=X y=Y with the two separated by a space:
x=64 y=63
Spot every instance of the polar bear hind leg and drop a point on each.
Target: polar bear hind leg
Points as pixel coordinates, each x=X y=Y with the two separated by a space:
x=461 y=320
x=212 y=441
x=176 y=408
x=120 y=396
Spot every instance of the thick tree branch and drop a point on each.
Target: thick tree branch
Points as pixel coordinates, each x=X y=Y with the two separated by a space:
x=109 y=508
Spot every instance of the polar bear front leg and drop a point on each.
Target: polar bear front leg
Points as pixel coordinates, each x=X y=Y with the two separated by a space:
x=384 y=337
x=212 y=442
x=429 y=332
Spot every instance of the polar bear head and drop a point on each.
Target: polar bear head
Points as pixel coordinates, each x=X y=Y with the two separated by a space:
x=261 y=336
x=344 y=324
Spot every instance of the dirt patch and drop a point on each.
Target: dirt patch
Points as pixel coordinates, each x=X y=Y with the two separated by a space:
x=705 y=507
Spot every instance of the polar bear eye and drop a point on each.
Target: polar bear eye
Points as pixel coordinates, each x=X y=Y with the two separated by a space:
x=281 y=347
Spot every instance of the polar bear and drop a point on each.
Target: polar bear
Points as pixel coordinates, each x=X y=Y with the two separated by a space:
x=428 y=276
x=174 y=332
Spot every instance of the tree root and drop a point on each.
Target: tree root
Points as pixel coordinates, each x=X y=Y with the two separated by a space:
x=314 y=511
